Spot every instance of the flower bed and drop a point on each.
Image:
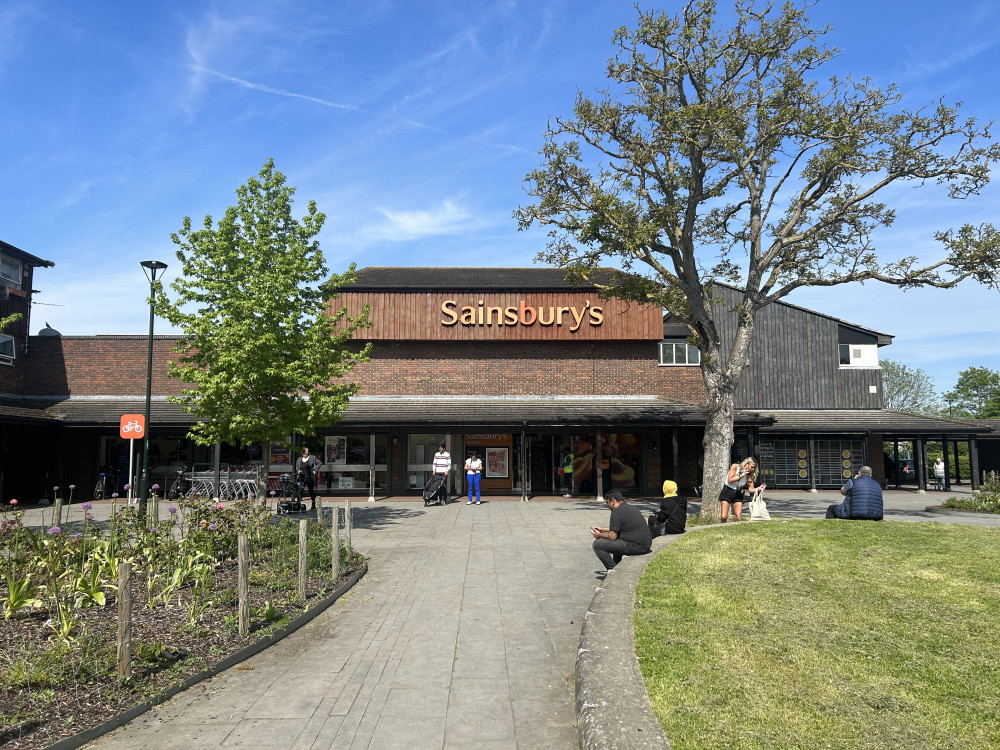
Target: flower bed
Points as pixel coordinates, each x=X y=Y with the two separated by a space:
x=59 y=595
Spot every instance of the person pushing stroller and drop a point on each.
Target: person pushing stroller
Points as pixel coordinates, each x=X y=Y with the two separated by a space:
x=307 y=468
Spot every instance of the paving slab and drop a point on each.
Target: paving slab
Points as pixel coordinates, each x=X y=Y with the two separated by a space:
x=464 y=634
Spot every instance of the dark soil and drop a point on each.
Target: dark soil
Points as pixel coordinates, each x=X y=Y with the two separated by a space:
x=78 y=688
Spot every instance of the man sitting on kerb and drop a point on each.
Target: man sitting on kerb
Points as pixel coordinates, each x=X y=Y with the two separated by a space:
x=863 y=501
x=626 y=534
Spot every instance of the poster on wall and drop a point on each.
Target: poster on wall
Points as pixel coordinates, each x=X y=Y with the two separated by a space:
x=280 y=454
x=336 y=449
x=496 y=463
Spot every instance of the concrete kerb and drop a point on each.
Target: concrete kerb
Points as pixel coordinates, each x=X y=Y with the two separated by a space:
x=612 y=705
x=82 y=738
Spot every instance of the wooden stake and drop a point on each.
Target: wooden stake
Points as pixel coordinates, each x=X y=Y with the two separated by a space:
x=243 y=552
x=124 y=620
x=303 y=536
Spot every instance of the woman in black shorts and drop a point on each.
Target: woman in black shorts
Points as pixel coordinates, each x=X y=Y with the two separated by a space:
x=740 y=477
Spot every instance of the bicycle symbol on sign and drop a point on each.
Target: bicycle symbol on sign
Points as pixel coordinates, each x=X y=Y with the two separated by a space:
x=132 y=426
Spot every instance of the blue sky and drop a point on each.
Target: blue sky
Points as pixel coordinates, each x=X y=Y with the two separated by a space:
x=411 y=125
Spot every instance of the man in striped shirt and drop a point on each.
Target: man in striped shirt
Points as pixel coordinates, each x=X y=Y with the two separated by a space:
x=442 y=465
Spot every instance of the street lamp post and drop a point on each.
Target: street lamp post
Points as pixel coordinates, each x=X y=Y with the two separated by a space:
x=151 y=268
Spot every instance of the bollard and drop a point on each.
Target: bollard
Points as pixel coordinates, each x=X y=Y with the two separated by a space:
x=303 y=536
x=335 y=534
x=319 y=511
x=243 y=555
x=57 y=512
x=124 y=620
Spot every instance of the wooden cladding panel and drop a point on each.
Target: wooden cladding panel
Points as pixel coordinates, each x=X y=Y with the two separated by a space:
x=794 y=363
x=418 y=316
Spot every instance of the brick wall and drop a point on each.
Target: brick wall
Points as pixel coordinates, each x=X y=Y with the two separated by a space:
x=12 y=376
x=116 y=365
x=875 y=458
x=98 y=366
x=525 y=368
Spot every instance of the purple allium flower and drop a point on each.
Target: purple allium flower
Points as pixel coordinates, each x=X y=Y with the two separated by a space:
x=87 y=506
x=273 y=493
x=172 y=509
x=56 y=488
x=13 y=501
x=88 y=516
x=114 y=494
x=53 y=531
x=78 y=535
x=128 y=486
x=72 y=486
x=212 y=527
x=156 y=486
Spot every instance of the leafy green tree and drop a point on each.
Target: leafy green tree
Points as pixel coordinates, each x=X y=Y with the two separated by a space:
x=262 y=346
x=907 y=389
x=976 y=394
x=719 y=155
x=9 y=320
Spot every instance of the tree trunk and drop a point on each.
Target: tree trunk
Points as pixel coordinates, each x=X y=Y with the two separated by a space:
x=265 y=469
x=721 y=380
x=718 y=443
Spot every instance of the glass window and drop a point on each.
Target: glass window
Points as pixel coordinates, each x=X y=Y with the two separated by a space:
x=679 y=353
x=858 y=355
x=10 y=272
x=6 y=350
x=347 y=462
x=420 y=457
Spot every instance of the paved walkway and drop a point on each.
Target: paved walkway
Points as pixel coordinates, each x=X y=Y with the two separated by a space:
x=464 y=634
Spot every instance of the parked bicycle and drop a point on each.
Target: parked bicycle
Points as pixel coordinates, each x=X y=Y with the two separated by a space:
x=109 y=483
x=179 y=486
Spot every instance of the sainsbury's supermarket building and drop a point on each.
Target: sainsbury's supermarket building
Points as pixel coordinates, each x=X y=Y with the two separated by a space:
x=519 y=366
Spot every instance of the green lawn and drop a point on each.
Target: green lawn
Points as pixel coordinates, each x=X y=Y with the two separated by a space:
x=824 y=634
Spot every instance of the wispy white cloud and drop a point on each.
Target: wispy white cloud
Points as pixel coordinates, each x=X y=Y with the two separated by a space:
x=449 y=218
x=12 y=21
x=252 y=41
x=271 y=90
x=935 y=65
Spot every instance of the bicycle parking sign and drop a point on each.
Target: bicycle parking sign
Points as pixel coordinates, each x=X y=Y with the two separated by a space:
x=132 y=426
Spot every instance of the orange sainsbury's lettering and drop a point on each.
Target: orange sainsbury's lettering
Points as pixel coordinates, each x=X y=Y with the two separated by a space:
x=524 y=314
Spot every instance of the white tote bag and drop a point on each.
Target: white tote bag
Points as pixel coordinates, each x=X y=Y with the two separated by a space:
x=758 y=509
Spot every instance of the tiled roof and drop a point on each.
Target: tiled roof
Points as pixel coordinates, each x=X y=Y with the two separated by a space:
x=18 y=410
x=885 y=421
x=537 y=412
x=19 y=254
x=993 y=424
x=380 y=278
x=108 y=411
x=457 y=411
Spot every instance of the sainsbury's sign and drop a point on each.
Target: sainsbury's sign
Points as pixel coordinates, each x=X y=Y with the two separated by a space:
x=525 y=315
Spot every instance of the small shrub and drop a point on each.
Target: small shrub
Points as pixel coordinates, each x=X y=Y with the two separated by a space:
x=986 y=499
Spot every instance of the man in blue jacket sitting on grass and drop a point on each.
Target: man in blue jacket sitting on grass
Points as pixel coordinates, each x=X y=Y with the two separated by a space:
x=863 y=501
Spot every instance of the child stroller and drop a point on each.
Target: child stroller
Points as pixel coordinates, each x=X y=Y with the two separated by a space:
x=292 y=490
x=436 y=490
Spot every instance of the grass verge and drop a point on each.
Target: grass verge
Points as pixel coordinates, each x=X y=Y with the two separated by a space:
x=824 y=634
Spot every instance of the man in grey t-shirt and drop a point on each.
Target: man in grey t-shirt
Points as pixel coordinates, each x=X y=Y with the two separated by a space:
x=626 y=534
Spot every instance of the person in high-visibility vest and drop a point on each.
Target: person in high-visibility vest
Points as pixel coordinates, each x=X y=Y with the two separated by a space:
x=567 y=471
